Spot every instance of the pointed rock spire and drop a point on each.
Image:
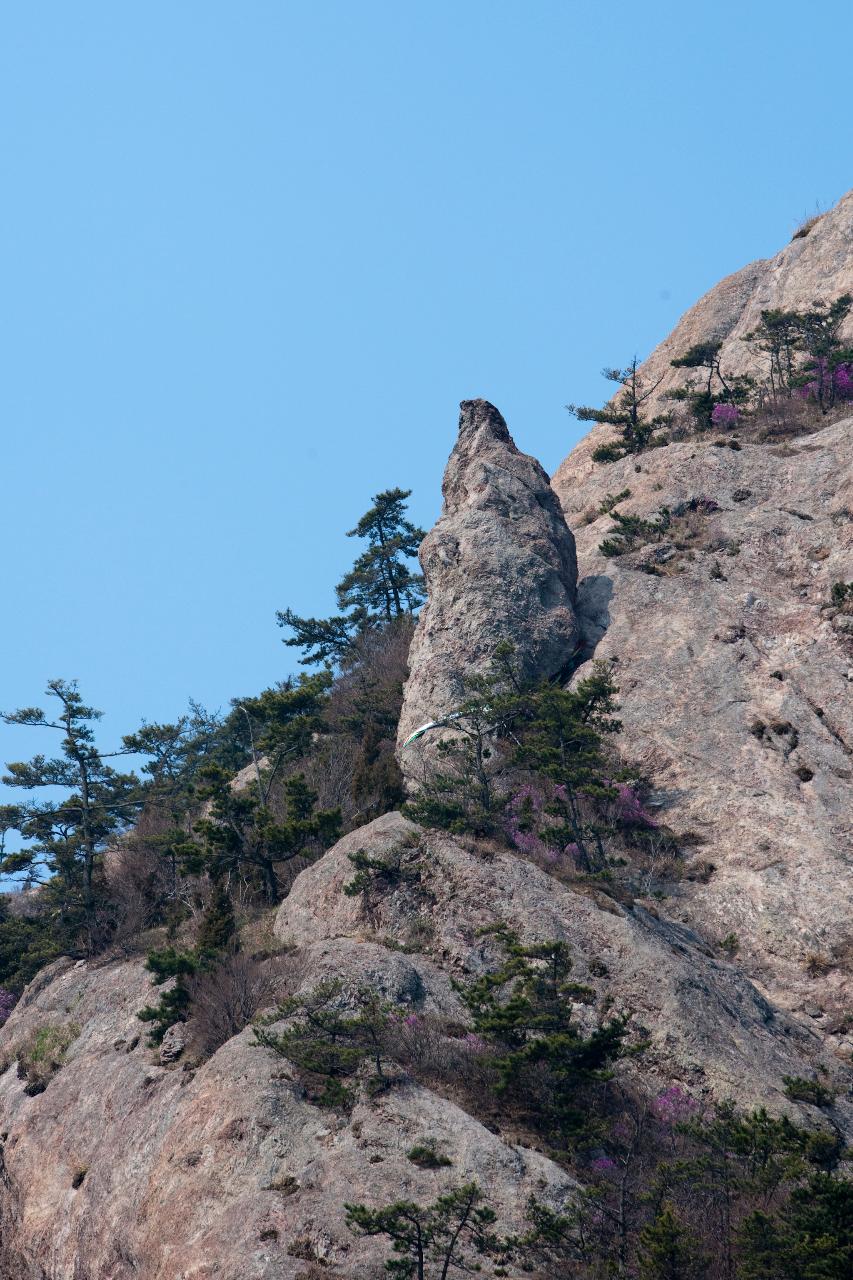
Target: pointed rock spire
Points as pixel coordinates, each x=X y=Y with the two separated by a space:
x=500 y=565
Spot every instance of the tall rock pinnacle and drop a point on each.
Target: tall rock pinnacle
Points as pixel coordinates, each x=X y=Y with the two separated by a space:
x=500 y=565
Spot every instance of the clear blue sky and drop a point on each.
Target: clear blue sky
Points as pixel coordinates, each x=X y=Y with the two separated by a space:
x=253 y=255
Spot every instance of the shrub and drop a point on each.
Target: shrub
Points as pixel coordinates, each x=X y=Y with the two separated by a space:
x=173 y=1005
x=452 y=1232
x=43 y=1053
x=378 y=874
x=724 y=415
x=327 y=1042
x=817 y=965
x=612 y=500
x=607 y=453
x=798 y=1089
x=425 y=1156
x=227 y=996
x=630 y=531
x=807 y=225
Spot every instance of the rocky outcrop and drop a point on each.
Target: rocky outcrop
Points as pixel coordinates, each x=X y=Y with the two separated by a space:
x=708 y=1026
x=122 y=1169
x=736 y=691
x=499 y=565
x=735 y=671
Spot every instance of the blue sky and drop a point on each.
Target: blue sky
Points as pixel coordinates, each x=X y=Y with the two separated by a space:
x=253 y=255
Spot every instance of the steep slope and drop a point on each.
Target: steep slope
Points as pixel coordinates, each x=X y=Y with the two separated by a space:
x=736 y=685
x=709 y=1027
x=814 y=267
x=736 y=672
x=126 y=1168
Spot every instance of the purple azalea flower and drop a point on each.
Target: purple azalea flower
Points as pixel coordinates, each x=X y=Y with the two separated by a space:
x=675 y=1105
x=844 y=382
x=629 y=808
x=7 y=1004
x=724 y=415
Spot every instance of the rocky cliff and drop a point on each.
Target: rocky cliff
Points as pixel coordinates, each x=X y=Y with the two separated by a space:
x=735 y=681
x=735 y=669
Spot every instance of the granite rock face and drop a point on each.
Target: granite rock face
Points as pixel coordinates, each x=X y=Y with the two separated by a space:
x=499 y=564
x=736 y=689
x=736 y=674
x=709 y=1027
x=124 y=1169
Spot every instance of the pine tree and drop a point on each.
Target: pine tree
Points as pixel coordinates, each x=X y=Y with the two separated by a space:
x=64 y=839
x=777 y=336
x=380 y=583
x=625 y=411
x=668 y=1251
x=543 y=1061
x=563 y=739
x=810 y=1238
x=174 y=1004
x=451 y=1233
x=242 y=834
x=379 y=589
x=729 y=391
x=218 y=925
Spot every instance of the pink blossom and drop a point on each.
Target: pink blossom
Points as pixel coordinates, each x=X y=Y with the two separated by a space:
x=603 y=1164
x=674 y=1105
x=7 y=1004
x=844 y=381
x=724 y=415
x=629 y=808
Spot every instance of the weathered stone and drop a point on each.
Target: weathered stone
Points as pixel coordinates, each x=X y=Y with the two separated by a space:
x=709 y=1027
x=719 y=644
x=173 y=1044
x=500 y=565
x=735 y=696
x=228 y=1172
